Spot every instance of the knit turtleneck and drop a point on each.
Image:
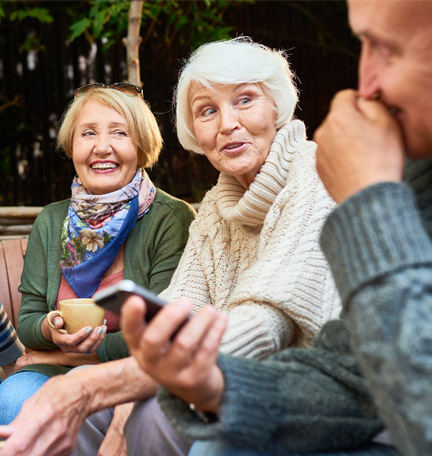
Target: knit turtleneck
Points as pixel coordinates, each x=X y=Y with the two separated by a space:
x=255 y=255
x=250 y=207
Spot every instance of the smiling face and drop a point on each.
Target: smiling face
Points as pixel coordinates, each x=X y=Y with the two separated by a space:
x=103 y=153
x=396 y=61
x=234 y=126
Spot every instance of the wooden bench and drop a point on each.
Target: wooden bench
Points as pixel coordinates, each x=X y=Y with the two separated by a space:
x=12 y=253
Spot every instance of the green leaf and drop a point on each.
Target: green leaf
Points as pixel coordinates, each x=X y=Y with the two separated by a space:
x=99 y=21
x=78 y=28
x=41 y=14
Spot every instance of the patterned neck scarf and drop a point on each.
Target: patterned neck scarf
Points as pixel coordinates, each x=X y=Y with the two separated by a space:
x=96 y=227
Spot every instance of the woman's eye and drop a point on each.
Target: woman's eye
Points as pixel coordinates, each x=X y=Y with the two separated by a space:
x=244 y=100
x=88 y=133
x=208 y=112
x=120 y=133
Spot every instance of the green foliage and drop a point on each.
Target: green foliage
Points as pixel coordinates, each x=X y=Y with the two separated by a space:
x=41 y=14
x=192 y=22
x=99 y=19
x=14 y=11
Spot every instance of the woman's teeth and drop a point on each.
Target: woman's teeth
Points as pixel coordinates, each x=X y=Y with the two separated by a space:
x=233 y=146
x=104 y=166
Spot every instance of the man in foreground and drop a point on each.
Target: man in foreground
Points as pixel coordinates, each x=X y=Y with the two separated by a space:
x=378 y=243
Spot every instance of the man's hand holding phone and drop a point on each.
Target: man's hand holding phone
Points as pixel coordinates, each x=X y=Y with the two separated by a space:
x=184 y=360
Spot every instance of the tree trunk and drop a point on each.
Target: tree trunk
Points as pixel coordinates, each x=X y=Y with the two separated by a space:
x=133 y=41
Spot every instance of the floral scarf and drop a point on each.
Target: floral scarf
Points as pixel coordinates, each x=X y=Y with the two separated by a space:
x=96 y=227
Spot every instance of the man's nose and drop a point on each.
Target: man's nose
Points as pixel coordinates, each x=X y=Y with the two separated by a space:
x=368 y=84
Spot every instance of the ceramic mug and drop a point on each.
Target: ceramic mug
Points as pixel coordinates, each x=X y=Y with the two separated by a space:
x=76 y=314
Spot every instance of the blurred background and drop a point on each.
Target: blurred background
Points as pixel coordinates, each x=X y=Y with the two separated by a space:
x=48 y=48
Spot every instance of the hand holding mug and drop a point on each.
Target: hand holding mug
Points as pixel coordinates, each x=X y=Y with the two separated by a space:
x=77 y=326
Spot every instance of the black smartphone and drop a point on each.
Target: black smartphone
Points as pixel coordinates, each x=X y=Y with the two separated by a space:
x=112 y=298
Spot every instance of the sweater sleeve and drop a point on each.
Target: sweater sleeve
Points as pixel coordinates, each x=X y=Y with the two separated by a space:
x=288 y=293
x=300 y=400
x=35 y=279
x=381 y=256
x=10 y=346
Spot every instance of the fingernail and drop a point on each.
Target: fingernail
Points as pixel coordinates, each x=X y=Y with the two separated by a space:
x=99 y=331
x=89 y=330
x=105 y=322
x=57 y=323
x=105 y=330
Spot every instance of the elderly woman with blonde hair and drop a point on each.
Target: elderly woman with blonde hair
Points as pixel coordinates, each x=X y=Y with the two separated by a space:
x=116 y=225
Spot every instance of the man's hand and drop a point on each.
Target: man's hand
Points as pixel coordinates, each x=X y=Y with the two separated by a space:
x=49 y=421
x=185 y=365
x=359 y=144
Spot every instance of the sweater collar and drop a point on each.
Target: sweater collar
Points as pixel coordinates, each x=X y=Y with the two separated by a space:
x=250 y=207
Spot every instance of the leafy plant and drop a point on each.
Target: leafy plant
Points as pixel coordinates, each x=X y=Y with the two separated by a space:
x=192 y=22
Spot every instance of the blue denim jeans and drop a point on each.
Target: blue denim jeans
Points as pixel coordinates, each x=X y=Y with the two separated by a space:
x=222 y=448
x=15 y=390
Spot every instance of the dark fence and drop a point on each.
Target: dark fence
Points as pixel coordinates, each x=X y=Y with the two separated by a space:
x=35 y=87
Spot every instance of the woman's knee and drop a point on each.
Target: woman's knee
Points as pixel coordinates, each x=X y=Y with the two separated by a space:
x=15 y=390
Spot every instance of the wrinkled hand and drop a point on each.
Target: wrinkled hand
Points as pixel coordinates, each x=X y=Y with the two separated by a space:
x=29 y=357
x=49 y=421
x=55 y=357
x=114 y=443
x=359 y=144
x=86 y=340
x=186 y=365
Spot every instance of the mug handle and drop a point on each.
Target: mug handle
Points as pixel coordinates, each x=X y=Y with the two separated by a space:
x=50 y=323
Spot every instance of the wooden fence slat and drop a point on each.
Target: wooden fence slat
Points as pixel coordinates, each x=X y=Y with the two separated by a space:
x=14 y=264
x=24 y=243
x=5 y=296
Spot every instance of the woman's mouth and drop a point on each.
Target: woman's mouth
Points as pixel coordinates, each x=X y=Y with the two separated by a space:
x=234 y=147
x=103 y=165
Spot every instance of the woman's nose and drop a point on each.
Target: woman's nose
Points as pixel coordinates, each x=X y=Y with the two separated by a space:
x=228 y=119
x=102 y=144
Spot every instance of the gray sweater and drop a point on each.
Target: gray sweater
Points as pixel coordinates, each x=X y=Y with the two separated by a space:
x=379 y=247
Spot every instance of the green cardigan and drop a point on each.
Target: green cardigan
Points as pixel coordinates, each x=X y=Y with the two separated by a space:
x=152 y=252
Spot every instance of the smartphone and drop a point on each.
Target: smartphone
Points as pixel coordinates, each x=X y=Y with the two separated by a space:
x=112 y=298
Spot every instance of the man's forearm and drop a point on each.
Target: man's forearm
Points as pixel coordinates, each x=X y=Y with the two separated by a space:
x=112 y=383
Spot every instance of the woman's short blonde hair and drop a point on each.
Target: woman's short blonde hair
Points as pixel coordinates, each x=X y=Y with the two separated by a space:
x=142 y=124
x=235 y=61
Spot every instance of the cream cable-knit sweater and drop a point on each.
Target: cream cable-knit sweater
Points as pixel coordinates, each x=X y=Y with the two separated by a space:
x=255 y=253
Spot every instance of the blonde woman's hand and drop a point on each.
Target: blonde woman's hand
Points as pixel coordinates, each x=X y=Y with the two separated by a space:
x=87 y=340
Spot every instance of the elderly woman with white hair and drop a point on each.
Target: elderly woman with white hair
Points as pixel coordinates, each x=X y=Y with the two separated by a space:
x=253 y=249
